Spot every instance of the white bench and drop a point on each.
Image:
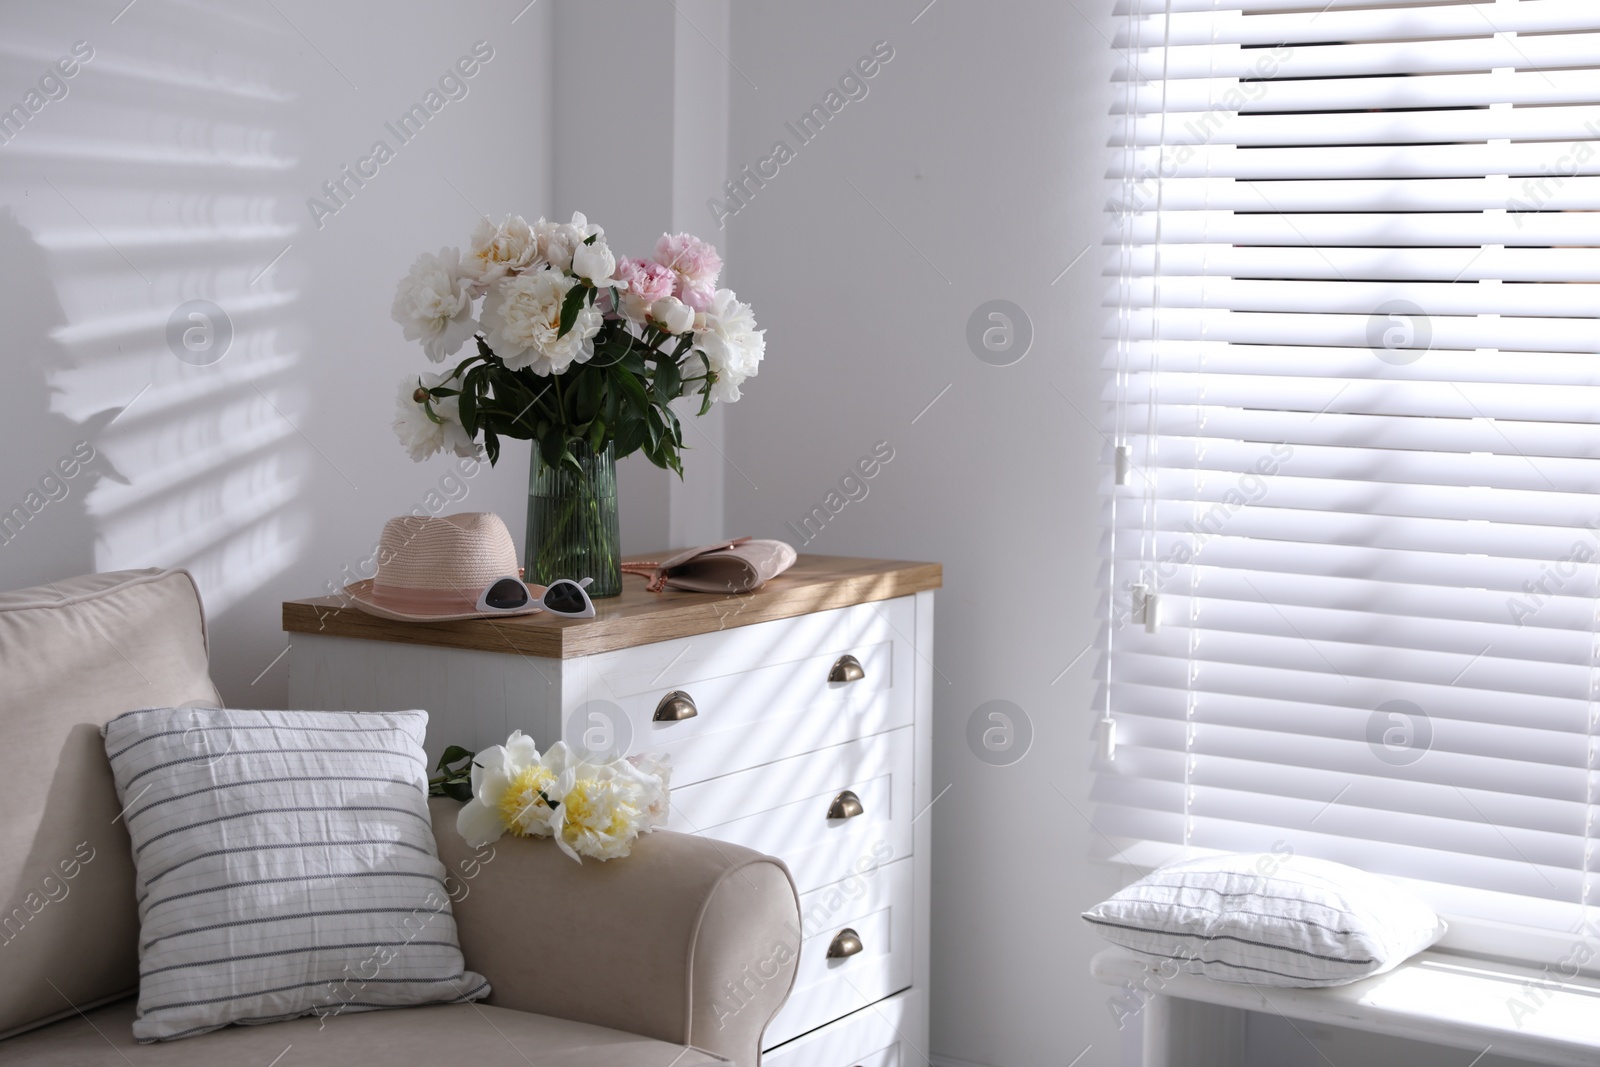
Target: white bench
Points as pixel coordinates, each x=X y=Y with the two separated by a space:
x=1435 y=997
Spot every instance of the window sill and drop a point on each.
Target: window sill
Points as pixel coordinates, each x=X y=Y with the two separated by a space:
x=1435 y=997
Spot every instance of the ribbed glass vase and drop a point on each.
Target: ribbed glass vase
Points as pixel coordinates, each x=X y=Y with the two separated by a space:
x=572 y=521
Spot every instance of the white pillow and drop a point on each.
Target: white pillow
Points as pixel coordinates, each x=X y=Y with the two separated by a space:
x=285 y=865
x=1269 y=919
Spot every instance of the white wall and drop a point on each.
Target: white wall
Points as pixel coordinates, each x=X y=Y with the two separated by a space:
x=971 y=171
x=177 y=167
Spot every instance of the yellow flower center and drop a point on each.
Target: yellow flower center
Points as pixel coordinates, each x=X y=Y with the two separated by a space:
x=588 y=809
x=521 y=806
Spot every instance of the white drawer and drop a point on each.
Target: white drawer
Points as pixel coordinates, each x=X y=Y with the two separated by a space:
x=761 y=692
x=782 y=808
x=884 y=1057
x=888 y=1057
x=686 y=660
x=877 y=906
x=869 y=1038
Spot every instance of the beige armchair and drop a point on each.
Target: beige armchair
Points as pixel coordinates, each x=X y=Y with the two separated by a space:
x=660 y=960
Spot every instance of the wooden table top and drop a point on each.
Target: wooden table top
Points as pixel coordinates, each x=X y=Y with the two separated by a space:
x=637 y=617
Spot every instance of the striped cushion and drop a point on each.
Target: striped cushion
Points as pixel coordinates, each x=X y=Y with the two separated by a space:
x=1269 y=919
x=285 y=866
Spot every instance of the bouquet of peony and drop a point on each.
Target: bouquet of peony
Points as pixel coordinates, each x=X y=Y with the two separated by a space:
x=575 y=347
x=591 y=808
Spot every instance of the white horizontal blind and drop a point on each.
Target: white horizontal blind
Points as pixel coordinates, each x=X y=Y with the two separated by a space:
x=1357 y=382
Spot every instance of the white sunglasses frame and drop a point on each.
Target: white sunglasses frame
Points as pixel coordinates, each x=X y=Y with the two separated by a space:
x=533 y=603
x=583 y=591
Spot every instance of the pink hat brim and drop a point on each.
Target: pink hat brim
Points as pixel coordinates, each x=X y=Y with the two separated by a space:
x=362 y=593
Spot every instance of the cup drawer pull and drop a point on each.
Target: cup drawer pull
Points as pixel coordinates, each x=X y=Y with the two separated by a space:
x=675 y=706
x=845 y=806
x=846 y=669
x=844 y=944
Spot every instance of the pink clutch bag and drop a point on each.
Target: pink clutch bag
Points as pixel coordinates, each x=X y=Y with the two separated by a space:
x=737 y=566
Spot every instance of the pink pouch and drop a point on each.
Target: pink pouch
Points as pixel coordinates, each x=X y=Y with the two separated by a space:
x=736 y=566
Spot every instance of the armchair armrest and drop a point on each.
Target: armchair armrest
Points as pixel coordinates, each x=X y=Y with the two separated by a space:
x=686 y=940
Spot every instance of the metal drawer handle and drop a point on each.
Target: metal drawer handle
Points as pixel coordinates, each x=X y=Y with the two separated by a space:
x=845 y=943
x=847 y=669
x=845 y=806
x=676 y=706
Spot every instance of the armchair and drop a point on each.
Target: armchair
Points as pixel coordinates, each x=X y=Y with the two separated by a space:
x=680 y=954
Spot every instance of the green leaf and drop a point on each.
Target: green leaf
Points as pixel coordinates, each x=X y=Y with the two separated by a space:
x=491 y=445
x=609 y=408
x=469 y=402
x=633 y=392
x=668 y=381
x=570 y=307
x=458 y=790
x=587 y=384
x=629 y=436
x=665 y=455
x=633 y=361
x=597 y=434
x=453 y=754
x=552 y=445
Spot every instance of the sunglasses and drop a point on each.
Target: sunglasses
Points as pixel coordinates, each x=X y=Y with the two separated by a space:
x=567 y=597
x=505 y=594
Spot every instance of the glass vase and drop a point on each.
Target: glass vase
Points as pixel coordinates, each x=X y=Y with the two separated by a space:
x=572 y=521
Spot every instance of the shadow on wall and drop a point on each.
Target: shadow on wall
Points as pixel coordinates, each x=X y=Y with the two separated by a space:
x=50 y=461
x=150 y=406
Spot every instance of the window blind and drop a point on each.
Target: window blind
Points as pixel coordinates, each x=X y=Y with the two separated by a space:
x=1354 y=540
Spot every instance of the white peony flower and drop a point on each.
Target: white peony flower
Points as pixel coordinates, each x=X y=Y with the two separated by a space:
x=726 y=332
x=659 y=770
x=557 y=241
x=595 y=262
x=496 y=251
x=522 y=315
x=434 y=304
x=421 y=435
x=601 y=808
x=507 y=781
x=592 y=809
x=673 y=314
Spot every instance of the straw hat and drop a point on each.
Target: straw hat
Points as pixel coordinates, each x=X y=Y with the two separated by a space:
x=434 y=569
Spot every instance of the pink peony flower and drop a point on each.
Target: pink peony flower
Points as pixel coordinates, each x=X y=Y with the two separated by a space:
x=647 y=277
x=698 y=297
x=647 y=282
x=695 y=264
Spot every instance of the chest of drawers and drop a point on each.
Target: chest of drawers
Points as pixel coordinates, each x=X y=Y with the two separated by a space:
x=797 y=719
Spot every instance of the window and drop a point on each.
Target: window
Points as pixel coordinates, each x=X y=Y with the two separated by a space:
x=1354 y=556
